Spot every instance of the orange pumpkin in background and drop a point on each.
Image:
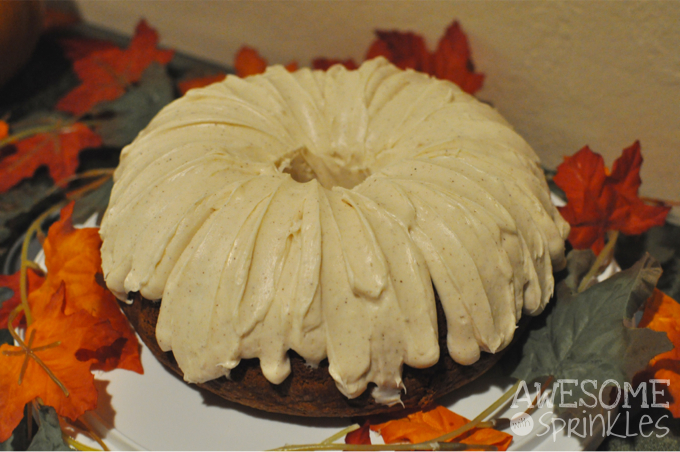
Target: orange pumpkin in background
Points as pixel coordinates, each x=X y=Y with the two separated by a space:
x=20 y=26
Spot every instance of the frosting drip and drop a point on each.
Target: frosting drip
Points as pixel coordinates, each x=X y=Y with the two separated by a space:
x=314 y=210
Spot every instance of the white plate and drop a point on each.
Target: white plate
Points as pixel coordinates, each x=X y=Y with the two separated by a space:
x=159 y=411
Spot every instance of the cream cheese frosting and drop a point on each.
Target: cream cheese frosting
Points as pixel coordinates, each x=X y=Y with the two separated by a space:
x=313 y=211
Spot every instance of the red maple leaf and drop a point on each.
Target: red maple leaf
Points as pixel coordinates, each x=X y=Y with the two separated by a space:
x=362 y=435
x=107 y=73
x=325 y=63
x=406 y=50
x=452 y=61
x=597 y=202
x=58 y=150
x=57 y=338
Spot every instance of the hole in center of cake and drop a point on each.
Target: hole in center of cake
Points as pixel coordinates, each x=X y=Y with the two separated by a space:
x=329 y=170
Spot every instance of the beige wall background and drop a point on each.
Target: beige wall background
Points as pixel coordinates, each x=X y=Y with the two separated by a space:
x=565 y=73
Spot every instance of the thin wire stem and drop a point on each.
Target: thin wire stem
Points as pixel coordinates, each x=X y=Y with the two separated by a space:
x=602 y=260
x=29 y=352
x=490 y=410
x=92 y=434
x=76 y=444
x=340 y=434
x=23 y=281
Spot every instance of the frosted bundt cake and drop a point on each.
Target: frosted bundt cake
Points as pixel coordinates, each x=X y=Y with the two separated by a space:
x=314 y=211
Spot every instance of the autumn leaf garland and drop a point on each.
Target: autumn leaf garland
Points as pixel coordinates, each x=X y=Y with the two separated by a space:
x=452 y=59
x=106 y=73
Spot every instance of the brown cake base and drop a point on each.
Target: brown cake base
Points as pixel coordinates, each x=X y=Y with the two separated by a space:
x=312 y=392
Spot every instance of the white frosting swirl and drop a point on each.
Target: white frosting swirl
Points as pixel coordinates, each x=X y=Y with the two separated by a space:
x=313 y=210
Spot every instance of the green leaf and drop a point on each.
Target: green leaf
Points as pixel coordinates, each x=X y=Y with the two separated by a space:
x=654 y=429
x=94 y=202
x=6 y=337
x=588 y=336
x=578 y=264
x=663 y=243
x=48 y=436
x=133 y=111
x=17 y=204
x=19 y=438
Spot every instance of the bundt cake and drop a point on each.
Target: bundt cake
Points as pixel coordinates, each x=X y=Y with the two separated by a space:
x=314 y=211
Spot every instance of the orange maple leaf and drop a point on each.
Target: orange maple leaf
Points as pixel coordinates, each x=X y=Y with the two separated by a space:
x=108 y=73
x=199 y=82
x=55 y=338
x=249 y=62
x=12 y=282
x=72 y=258
x=4 y=129
x=428 y=425
x=598 y=202
x=662 y=313
x=57 y=149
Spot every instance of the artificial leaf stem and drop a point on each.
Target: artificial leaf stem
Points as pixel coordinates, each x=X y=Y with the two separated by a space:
x=340 y=434
x=92 y=434
x=476 y=421
x=86 y=430
x=30 y=352
x=76 y=444
x=59 y=124
x=10 y=139
x=602 y=260
x=23 y=281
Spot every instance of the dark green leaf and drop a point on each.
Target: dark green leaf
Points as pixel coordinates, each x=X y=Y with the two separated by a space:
x=94 y=202
x=654 y=429
x=48 y=436
x=578 y=264
x=135 y=109
x=663 y=243
x=6 y=337
x=19 y=201
x=587 y=336
x=19 y=438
